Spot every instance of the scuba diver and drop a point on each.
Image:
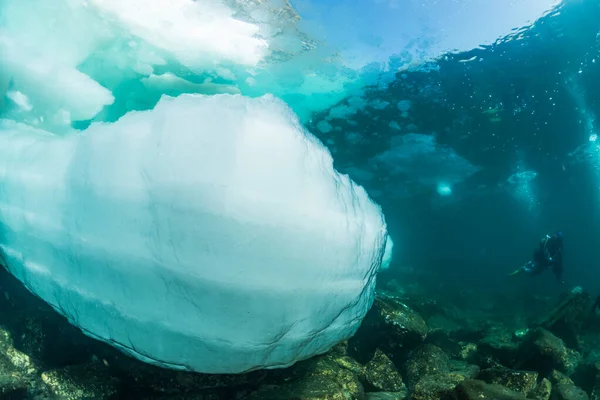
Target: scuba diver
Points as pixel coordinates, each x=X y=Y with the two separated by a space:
x=548 y=254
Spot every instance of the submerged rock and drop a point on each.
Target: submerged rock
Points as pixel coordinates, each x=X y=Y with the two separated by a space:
x=317 y=379
x=557 y=377
x=403 y=395
x=595 y=395
x=587 y=374
x=12 y=384
x=339 y=355
x=519 y=381
x=434 y=387
x=568 y=391
x=140 y=377
x=351 y=365
x=436 y=384
x=468 y=351
x=339 y=350
x=19 y=360
x=500 y=345
x=426 y=360
x=19 y=375
x=542 y=391
x=464 y=369
x=391 y=326
x=543 y=351
x=48 y=338
x=472 y=389
x=567 y=319
x=314 y=388
x=443 y=323
x=77 y=382
x=454 y=345
x=381 y=373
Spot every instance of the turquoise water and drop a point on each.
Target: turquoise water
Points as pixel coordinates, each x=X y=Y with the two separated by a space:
x=321 y=131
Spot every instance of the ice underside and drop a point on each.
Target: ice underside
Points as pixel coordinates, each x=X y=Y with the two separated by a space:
x=158 y=191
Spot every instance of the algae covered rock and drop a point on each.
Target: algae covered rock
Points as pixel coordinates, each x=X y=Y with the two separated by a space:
x=314 y=388
x=464 y=369
x=19 y=360
x=12 y=385
x=339 y=355
x=405 y=322
x=140 y=377
x=442 y=340
x=391 y=326
x=18 y=372
x=317 y=379
x=350 y=364
x=381 y=373
x=468 y=351
x=501 y=345
x=442 y=322
x=519 y=381
x=79 y=382
x=434 y=387
x=542 y=391
x=426 y=360
x=47 y=337
x=472 y=389
x=568 y=317
x=568 y=391
x=543 y=351
x=557 y=377
x=439 y=384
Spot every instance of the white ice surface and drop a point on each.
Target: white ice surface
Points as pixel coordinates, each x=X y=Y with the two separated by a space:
x=50 y=50
x=197 y=33
x=211 y=233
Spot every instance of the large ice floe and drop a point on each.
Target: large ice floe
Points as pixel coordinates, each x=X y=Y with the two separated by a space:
x=156 y=194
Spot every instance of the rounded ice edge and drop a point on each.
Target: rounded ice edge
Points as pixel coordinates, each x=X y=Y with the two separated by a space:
x=388 y=253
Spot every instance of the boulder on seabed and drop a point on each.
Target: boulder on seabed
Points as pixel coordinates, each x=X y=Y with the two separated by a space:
x=320 y=378
x=501 y=345
x=472 y=389
x=468 y=351
x=19 y=374
x=425 y=360
x=464 y=369
x=48 y=338
x=568 y=391
x=382 y=374
x=79 y=382
x=390 y=325
x=440 y=383
x=542 y=391
x=543 y=351
x=557 y=377
x=567 y=319
x=13 y=385
x=518 y=381
x=434 y=387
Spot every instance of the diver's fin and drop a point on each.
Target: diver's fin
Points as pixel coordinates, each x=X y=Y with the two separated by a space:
x=517 y=272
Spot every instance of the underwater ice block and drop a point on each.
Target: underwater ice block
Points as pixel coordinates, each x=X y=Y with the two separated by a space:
x=210 y=234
